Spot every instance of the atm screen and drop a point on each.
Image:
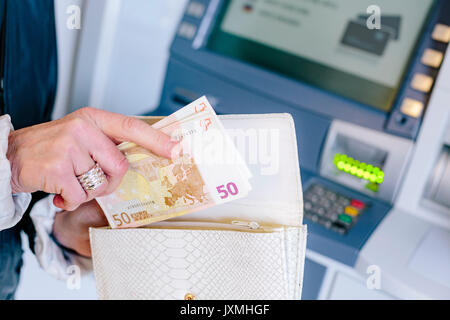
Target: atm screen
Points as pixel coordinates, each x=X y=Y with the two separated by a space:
x=326 y=43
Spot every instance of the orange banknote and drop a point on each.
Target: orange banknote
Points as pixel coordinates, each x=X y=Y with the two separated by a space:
x=208 y=172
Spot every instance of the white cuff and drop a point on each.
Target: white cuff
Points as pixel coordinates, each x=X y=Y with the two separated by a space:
x=12 y=207
x=52 y=258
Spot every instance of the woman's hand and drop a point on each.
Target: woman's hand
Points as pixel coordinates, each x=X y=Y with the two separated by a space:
x=49 y=157
x=71 y=229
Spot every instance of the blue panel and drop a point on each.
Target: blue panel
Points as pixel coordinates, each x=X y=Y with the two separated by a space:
x=230 y=98
x=312 y=279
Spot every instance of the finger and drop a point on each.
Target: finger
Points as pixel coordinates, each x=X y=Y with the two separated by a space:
x=109 y=158
x=94 y=216
x=123 y=128
x=58 y=201
x=72 y=195
x=82 y=161
x=82 y=164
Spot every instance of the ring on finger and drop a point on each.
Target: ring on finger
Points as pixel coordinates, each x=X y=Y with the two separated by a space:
x=92 y=179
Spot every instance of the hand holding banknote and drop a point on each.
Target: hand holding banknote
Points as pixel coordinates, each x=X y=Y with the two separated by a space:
x=209 y=172
x=49 y=157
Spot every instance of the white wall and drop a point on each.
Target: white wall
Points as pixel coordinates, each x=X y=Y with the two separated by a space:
x=67 y=45
x=139 y=55
x=122 y=60
x=117 y=61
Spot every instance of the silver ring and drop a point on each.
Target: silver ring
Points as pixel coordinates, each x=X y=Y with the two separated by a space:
x=92 y=179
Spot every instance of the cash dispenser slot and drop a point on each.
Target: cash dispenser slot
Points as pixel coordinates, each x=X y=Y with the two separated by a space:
x=365 y=160
x=358 y=162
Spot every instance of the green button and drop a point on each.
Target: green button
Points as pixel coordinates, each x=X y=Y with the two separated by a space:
x=345 y=218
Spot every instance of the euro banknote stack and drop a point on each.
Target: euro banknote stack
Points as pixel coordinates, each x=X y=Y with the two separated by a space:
x=209 y=171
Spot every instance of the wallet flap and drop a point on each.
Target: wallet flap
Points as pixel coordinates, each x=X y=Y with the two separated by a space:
x=268 y=144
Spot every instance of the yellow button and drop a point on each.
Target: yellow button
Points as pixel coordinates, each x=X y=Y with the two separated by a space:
x=412 y=108
x=441 y=33
x=422 y=82
x=432 y=58
x=351 y=211
x=189 y=296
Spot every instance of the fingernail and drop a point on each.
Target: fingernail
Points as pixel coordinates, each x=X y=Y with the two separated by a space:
x=175 y=149
x=58 y=202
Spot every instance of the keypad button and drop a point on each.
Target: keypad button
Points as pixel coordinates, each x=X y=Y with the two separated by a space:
x=345 y=219
x=351 y=211
x=441 y=33
x=311 y=197
x=307 y=205
x=315 y=209
x=320 y=211
x=325 y=203
x=332 y=216
x=343 y=201
x=357 y=204
x=195 y=9
x=422 y=82
x=325 y=222
x=339 y=228
x=412 y=107
x=187 y=30
x=338 y=209
x=432 y=58
x=329 y=194
x=332 y=196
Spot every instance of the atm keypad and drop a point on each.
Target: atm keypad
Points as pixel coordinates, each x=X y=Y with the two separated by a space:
x=331 y=209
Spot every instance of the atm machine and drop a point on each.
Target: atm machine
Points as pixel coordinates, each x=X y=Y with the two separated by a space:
x=372 y=124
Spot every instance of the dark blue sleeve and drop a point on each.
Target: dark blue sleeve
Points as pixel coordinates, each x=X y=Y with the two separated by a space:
x=30 y=61
x=30 y=76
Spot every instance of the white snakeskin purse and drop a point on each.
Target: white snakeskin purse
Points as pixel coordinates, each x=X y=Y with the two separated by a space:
x=252 y=248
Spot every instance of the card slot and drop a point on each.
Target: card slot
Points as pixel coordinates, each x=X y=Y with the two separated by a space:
x=233 y=225
x=270 y=213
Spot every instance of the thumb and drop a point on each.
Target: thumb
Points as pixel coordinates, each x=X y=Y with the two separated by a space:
x=122 y=128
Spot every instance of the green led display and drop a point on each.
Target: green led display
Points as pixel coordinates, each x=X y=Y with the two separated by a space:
x=358 y=169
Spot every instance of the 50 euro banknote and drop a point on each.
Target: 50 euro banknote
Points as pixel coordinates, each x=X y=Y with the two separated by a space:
x=210 y=171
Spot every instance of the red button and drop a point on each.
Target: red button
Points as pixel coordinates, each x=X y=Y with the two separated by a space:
x=358 y=204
